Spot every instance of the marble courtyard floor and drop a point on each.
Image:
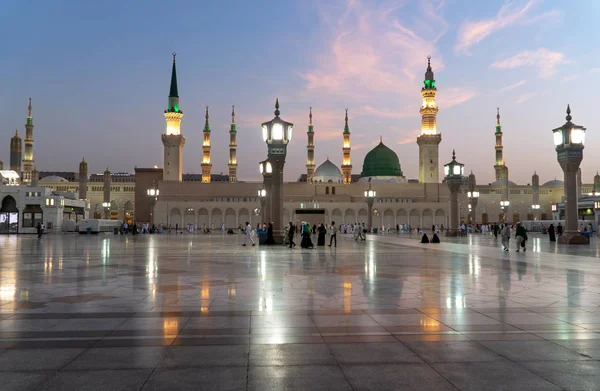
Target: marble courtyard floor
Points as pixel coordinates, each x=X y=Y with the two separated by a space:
x=158 y=312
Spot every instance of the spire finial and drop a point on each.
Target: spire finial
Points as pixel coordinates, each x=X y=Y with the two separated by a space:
x=173 y=90
x=380 y=139
x=232 y=114
x=83 y=159
x=206 y=115
x=174 y=55
x=277 y=107
x=346 y=118
x=310 y=117
x=428 y=61
x=569 y=113
x=453 y=154
x=29 y=109
x=498 y=116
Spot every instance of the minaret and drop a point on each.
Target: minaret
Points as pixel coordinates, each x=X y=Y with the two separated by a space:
x=16 y=152
x=35 y=177
x=1 y=165
x=232 y=148
x=430 y=138
x=346 y=165
x=535 y=189
x=310 y=150
x=206 y=166
x=499 y=166
x=596 y=189
x=172 y=139
x=83 y=178
x=28 y=163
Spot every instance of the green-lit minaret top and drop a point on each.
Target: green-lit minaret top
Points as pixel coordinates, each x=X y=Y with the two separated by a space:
x=29 y=117
x=498 y=126
x=310 y=125
x=346 y=127
x=173 y=91
x=232 y=128
x=206 y=125
x=429 y=83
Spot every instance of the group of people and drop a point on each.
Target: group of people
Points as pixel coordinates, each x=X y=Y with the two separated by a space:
x=305 y=229
x=520 y=236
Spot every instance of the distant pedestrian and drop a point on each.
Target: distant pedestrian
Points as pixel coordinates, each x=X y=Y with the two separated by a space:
x=559 y=230
x=551 y=233
x=291 y=232
x=333 y=237
x=248 y=234
x=39 y=229
x=506 y=238
x=521 y=236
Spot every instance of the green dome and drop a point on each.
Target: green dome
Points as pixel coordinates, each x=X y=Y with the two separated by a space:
x=381 y=161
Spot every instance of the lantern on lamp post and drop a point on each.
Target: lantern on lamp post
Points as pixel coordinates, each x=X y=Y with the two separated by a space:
x=266 y=170
x=569 y=140
x=106 y=206
x=454 y=172
x=277 y=133
x=152 y=192
x=262 y=196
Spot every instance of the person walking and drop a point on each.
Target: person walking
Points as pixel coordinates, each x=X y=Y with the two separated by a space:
x=496 y=229
x=321 y=237
x=291 y=233
x=506 y=238
x=248 y=235
x=559 y=230
x=333 y=237
x=270 y=238
x=39 y=230
x=551 y=233
x=521 y=236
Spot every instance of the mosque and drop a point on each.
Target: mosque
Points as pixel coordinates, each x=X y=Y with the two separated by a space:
x=166 y=195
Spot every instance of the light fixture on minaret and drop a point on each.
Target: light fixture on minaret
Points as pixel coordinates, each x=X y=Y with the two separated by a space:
x=232 y=148
x=173 y=141
x=429 y=139
x=206 y=165
x=28 y=163
x=310 y=150
x=346 y=164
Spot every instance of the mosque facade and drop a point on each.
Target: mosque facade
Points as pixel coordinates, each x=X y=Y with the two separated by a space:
x=225 y=200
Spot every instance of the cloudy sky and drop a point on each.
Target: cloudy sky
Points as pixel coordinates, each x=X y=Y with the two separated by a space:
x=98 y=73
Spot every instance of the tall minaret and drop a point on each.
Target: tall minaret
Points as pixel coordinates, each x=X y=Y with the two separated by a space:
x=499 y=166
x=106 y=195
x=535 y=189
x=232 y=148
x=206 y=165
x=16 y=152
x=83 y=178
x=596 y=188
x=172 y=139
x=430 y=138
x=310 y=150
x=346 y=165
x=35 y=177
x=28 y=163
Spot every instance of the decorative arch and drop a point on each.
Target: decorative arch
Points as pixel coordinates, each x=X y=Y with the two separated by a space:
x=9 y=216
x=389 y=220
x=363 y=216
x=415 y=219
x=230 y=219
x=244 y=216
x=128 y=211
x=349 y=216
x=203 y=220
x=189 y=216
x=440 y=217
x=216 y=218
x=175 y=218
x=402 y=217
x=336 y=215
x=428 y=220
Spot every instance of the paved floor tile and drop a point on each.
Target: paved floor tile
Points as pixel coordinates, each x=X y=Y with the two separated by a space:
x=322 y=377
x=219 y=322
x=371 y=353
x=434 y=352
x=21 y=381
x=130 y=379
x=118 y=358
x=202 y=356
x=86 y=324
x=290 y=354
x=497 y=375
x=570 y=375
x=395 y=377
x=216 y=378
x=36 y=359
x=532 y=351
x=344 y=320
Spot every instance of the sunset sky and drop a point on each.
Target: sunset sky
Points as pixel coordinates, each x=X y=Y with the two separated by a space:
x=98 y=74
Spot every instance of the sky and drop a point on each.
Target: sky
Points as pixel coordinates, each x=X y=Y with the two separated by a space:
x=99 y=73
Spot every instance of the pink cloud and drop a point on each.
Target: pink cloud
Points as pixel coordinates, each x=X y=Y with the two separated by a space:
x=544 y=60
x=454 y=96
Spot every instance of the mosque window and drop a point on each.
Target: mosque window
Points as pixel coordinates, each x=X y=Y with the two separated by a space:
x=332 y=189
x=326 y=189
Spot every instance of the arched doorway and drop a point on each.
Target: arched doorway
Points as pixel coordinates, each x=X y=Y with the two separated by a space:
x=402 y=217
x=484 y=218
x=415 y=219
x=349 y=217
x=203 y=218
x=216 y=219
x=245 y=217
x=229 y=219
x=9 y=216
x=440 y=218
x=175 y=218
x=128 y=216
x=427 y=220
x=189 y=217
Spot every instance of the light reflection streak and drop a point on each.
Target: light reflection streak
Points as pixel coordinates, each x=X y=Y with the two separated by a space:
x=170 y=327
x=456 y=302
x=105 y=251
x=347 y=297
x=474 y=265
x=262 y=269
x=7 y=292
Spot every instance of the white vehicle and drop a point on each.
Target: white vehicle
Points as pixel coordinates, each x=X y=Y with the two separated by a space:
x=94 y=226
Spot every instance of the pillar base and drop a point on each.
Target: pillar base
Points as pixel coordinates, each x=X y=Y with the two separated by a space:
x=573 y=238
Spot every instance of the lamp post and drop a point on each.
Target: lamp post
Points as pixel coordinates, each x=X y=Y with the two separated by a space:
x=569 y=140
x=266 y=169
x=277 y=133
x=370 y=195
x=262 y=195
x=473 y=199
x=454 y=173
x=152 y=192
x=534 y=208
x=504 y=208
x=106 y=206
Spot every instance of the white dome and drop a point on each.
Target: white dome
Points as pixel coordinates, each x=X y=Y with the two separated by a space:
x=328 y=172
x=52 y=179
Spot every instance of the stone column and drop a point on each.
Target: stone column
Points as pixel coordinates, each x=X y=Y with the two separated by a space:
x=370 y=201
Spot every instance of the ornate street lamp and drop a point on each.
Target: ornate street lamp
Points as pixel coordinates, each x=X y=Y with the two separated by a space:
x=370 y=195
x=569 y=140
x=152 y=192
x=262 y=196
x=454 y=172
x=266 y=170
x=106 y=206
x=277 y=133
